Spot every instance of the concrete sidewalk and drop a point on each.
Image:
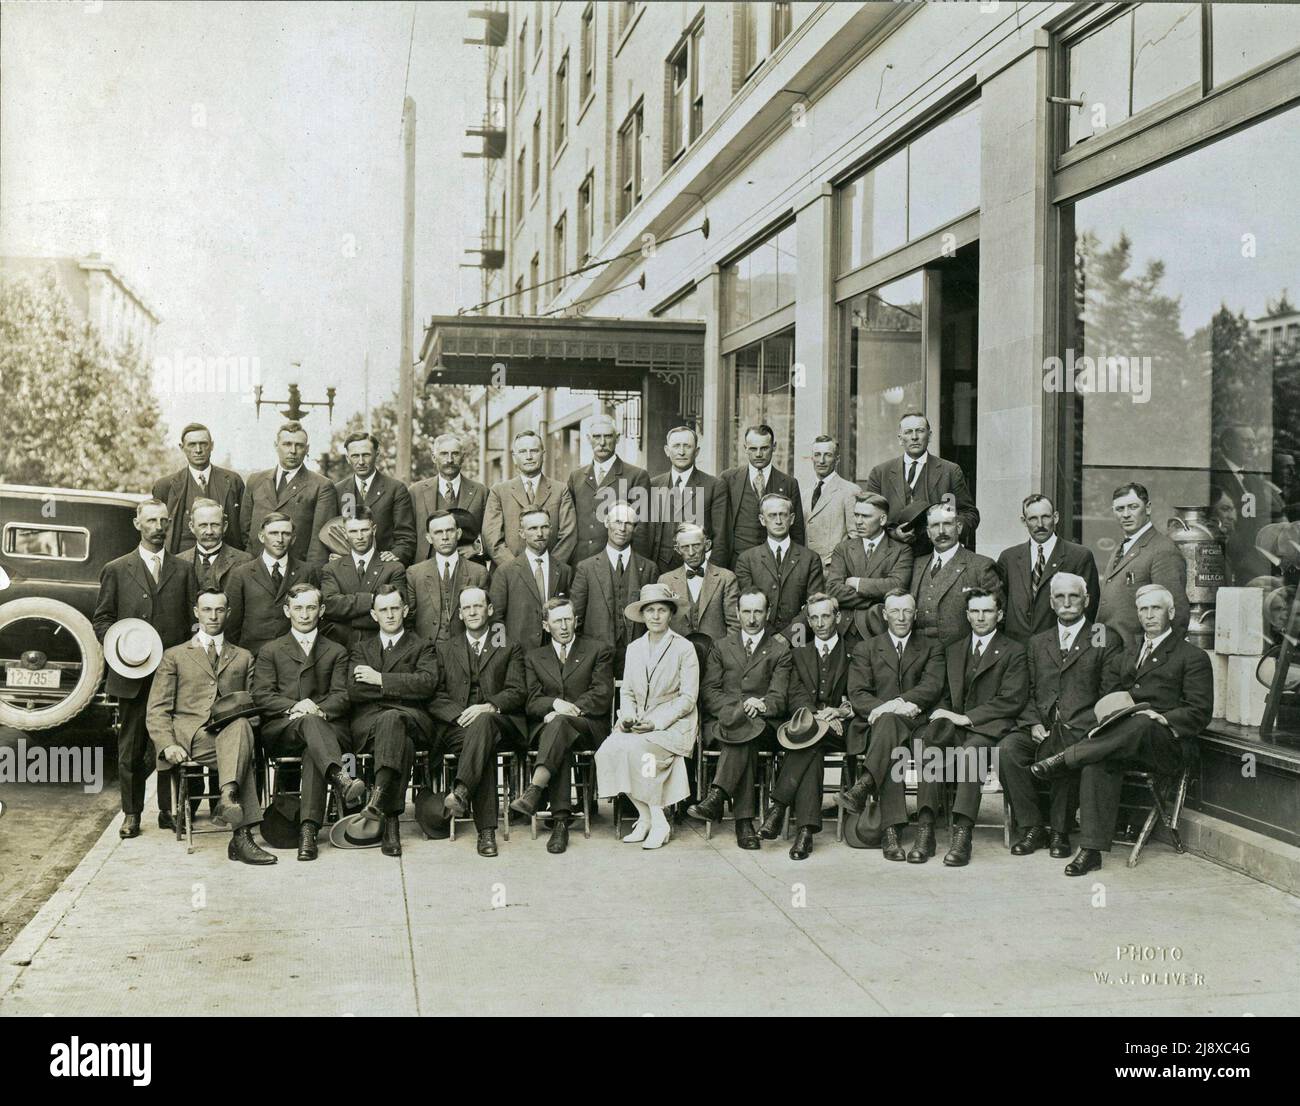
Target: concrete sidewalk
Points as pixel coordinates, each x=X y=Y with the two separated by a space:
x=698 y=927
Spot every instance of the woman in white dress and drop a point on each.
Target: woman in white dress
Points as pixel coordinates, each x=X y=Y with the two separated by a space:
x=644 y=757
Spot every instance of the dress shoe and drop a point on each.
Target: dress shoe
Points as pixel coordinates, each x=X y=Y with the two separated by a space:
x=802 y=847
x=166 y=820
x=1087 y=860
x=770 y=830
x=228 y=808
x=307 y=849
x=660 y=831
x=746 y=838
x=639 y=833
x=351 y=792
x=708 y=809
x=855 y=798
x=487 y=842
x=1034 y=839
x=1060 y=845
x=890 y=845
x=130 y=826
x=528 y=802
x=1049 y=768
x=243 y=848
x=958 y=854
x=392 y=837
x=559 y=839
x=456 y=803
x=923 y=845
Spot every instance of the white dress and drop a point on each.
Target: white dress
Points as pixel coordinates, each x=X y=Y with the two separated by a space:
x=661 y=685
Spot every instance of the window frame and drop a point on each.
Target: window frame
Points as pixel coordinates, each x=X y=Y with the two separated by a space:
x=587 y=77
x=560 y=106
x=687 y=95
x=42 y=527
x=631 y=188
x=586 y=226
x=559 y=253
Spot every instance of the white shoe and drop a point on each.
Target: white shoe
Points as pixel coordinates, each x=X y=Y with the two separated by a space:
x=657 y=836
x=639 y=832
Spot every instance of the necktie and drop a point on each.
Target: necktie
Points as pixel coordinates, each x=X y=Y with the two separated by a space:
x=564 y=654
x=622 y=566
x=691 y=573
x=870 y=547
x=934 y=568
x=208 y=558
x=758 y=486
x=449 y=494
x=1036 y=577
x=212 y=655
x=824 y=650
x=446 y=573
x=898 y=648
x=539 y=576
x=361 y=567
x=279 y=482
x=778 y=558
x=817 y=494
x=202 y=481
x=749 y=647
x=911 y=479
x=388 y=646
x=528 y=487
x=977 y=651
x=1065 y=645
x=478 y=648
x=1146 y=652
x=277 y=577
x=155 y=569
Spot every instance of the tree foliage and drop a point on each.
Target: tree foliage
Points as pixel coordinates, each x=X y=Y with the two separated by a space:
x=75 y=413
x=439 y=409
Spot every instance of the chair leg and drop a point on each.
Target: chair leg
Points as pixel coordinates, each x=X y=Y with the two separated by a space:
x=1148 y=825
x=176 y=803
x=588 y=785
x=507 y=766
x=188 y=813
x=1180 y=794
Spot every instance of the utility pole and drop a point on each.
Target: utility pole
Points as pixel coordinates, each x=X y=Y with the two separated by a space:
x=406 y=377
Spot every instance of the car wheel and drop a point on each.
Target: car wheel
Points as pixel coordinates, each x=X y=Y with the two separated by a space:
x=92 y=665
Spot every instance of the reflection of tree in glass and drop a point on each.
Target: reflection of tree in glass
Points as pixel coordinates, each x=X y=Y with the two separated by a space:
x=439 y=409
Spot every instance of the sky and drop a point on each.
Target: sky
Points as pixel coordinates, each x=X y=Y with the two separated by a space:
x=241 y=165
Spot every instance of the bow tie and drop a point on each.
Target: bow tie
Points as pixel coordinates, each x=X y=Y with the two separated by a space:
x=694 y=571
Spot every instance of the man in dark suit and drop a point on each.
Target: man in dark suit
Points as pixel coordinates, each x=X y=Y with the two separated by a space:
x=921 y=475
x=199 y=479
x=257 y=588
x=294 y=490
x=819 y=673
x=447 y=491
x=477 y=709
x=711 y=592
x=1145 y=556
x=1162 y=669
x=786 y=572
x=570 y=682
x=596 y=487
x=746 y=485
x=895 y=680
x=867 y=565
x=151 y=584
x=300 y=684
x=520 y=590
x=394 y=674
x=686 y=494
x=387 y=500
x=433 y=586
x=530 y=490
x=1071 y=665
x=986 y=689
x=349 y=583
x=744 y=692
x=210 y=555
x=605 y=584
x=942 y=578
x=1026 y=569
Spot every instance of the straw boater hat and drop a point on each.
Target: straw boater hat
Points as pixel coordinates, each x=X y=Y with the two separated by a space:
x=132 y=648
x=654 y=593
x=803 y=730
x=1111 y=708
x=334 y=536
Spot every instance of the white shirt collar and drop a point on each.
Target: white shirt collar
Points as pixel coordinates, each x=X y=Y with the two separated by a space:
x=918 y=461
x=386 y=640
x=364 y=484
x=944 y=558
x=479 y=640
x=205 y=473
x=984 y=640
x=205 y=640
x=307 y=641
x=199 y=551
x=783 y=545
x=1154 y=642
x=616 y=555
x=562 y=650
x=453 y=484
x=366 y=557
x=1130 y=541
x=676 y=477
x=271 y=562
x=289 y=474
x=753 y=473
x=1065 y=635
x=537 y=557
x=531 y=480
x=746 y=638
x=1048 y=546
x=443 y=559
x=867 y=543
x=827 y=646
x=600 y=469
x=897 y=641
x=148 y=557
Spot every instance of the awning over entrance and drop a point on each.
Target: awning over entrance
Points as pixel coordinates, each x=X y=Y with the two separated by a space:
x=586 y=353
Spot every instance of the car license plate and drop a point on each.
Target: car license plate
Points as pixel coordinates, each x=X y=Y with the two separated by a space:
x=47 y=678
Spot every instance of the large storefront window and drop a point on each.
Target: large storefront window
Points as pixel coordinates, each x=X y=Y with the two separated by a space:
x=1180 y=363
x=761 y=282
x=928 y=183
x=765 y=394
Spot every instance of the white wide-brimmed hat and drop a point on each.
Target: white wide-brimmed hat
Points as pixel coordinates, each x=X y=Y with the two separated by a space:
x=132 y=648
x=654 y=593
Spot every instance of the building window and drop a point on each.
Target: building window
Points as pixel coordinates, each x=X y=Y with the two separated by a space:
x=689 y=306
x=746 y=39
x=764 y=393
x=559 y=254
x=521 y=184
x=521 y=66
x=629 y=161
x=927 y=184
x=761 y=282
x=586 y=218
x=686 y=93
x=519 y=296
x=626 y=12
x=1163 y=372
x=561 y=102
x=537 y=153
x=534 y=278
x=537 y=26
x=1247 y=36
x=782 y=23
x=588 y=83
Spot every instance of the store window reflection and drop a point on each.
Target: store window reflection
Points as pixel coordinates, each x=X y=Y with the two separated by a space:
x=765 y=393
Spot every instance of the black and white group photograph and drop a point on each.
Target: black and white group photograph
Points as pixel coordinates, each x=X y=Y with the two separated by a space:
x=517 y=508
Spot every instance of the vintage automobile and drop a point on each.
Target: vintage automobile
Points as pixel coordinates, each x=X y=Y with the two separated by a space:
x=53 y=544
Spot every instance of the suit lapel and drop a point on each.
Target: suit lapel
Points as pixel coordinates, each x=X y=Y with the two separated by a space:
x=708 y=585
x=289 y=485
x=1082 y=641
x=950 y=572
x=1118 y=562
